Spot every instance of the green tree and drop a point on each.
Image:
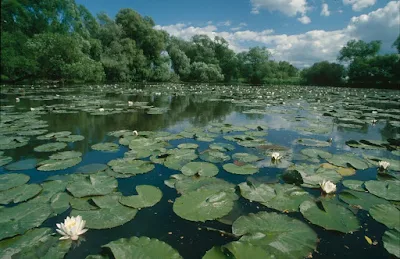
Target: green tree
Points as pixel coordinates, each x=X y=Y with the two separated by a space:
x=396 y=44
x=203 y=72
x=254 y=64
x=323 y=73
x=359 y=49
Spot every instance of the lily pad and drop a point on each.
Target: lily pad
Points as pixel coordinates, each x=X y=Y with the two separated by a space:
x=130 y=166
x=50 y=147
x=362 y=200
x=106 y=217
x=388 y=190
x=91 y=168
x=20 y=193
x=8 y=181
x=60 y=202
x=245 y=157
x=355 y=185
x=243 y=170
x=188 y=146
x=222 y=147
x=330 y=216
x=93 y=185
x=240 y=250
x=5 y=160
x=312 y=142
x=278 y=234
x=54 y=135
x=107 y=146
x=188 y=184
x=12 y=142
x=391 y=240
x=316 y=153
x=71 y=138
x=54 y=165
x=65 y=155
x=25 y=164
x=24 y=216
x=344 y=160
x=147 y=196
x=386 y=214
x=141 y=247
x=202 y=205
x=200 y=169
x=214 y=156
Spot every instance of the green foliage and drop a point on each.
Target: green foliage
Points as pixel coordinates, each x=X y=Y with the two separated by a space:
x=359 y=49
x=323 y=73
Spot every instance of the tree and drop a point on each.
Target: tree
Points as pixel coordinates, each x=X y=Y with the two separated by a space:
x=324 y=73
x=359 y=49
x=396 y=44
x=203 y=72
x=254 y=64
x=180 y=62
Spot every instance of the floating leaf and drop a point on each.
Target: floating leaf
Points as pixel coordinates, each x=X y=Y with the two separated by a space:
x=188 y=184
x=238 y=250
x=391 y=241
x=93 y=185
x=66 y=155
x=278 y=234
x=368 y=240
x=388 y=190
x=316 y=153
x=147 y=196
x=107 y=146
x=330 y=215
x=244 y=169
x=214 y=156
x=5 y=160
x=24 y=216
x=12 y=142
x=54 y=135
x=202 y=205
x=54 y=165
x=222 y=147
x=361 y=200
x=355 y=185
x=141 y=247
x=188 y=146
x=199 y=168
x=25 y=164
x=71 y=138
x=312 y=142
x=130 y=166
x=20 y=193
x=60 y=202
x=245 y=157
x=91 y=168
x=8 y=181
x=344 y=160
x=50 y=147
x=386 y=214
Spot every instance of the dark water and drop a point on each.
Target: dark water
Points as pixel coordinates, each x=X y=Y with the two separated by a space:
x=190 y=238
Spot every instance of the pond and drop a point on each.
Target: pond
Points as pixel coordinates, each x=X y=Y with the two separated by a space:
x=200 y=171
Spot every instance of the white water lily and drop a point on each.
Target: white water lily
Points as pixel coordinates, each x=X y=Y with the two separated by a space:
x=328 y=186
x=374 y=121
x=17 y=100
x=276 y=156
x=32 y=109
x=101 y=110
x=72 y=228
x=135 y=133
x=383 y=165
x=130 y=103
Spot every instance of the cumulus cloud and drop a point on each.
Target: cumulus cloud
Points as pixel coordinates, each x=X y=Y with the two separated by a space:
x=358 y=5
x=225 y=23
x=288 y=7
x=304 y=19
x=304 y=49
x=325 y=10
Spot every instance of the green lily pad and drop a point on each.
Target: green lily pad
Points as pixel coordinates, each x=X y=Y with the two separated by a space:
x=93 y=185
x=24 y=216
x=130 y=166
x=200 y=169
x=50 y=147
x=213 y=156
x=222 y=147
x=91 y=168
x=321 y=174
x=312 y=142
x=362 y=200
x=244 y=169
x=388 y=190
x=278 y=234
x=49 y=189
x=25 y=164
x=355 y=185
x=59 y=202
x=239 y=250
x=54 y=165
x=54 y=135
x=141 y=247
x=12 y=142
x=66 y=155
x=105 y=218
x=394 y=163
x=138 y=153
x=107 y=146
x=245 y=157
x=84 y=203
x=391 y=240
x=8 y=181
x=282 y=197
x=189 y=184
x=344 y=160
x=316 y=153
x=5 y=160
x=202 y=205
x=188 y=146
x=20 y=193
x=386 y=214
x=71 y=138
x=148 y=196
x=332 y=217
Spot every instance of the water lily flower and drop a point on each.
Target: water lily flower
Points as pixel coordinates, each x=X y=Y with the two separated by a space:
x=374 y=121
x=276 y=156
x=328 y=186
x=17 y=100
x=101 y=110
x=130 y=103
x=383 y=165
x=135 y=133
x=32 y=109
x=72 y=228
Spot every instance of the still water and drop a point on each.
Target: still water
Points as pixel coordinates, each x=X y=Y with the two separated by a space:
x=285 y=114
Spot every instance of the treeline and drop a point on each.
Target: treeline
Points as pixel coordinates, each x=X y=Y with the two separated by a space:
x=58 y=40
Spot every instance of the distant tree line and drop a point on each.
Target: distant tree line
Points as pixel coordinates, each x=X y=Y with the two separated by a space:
x=59 y=40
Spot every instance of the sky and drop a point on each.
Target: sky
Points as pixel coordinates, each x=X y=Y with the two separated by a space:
x=299 y=31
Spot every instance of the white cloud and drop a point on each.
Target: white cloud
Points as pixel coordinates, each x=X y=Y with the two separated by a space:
x=304 y=19
x=325 y=10
x=304 y=49
x=226 y=23
x=288 y=7
x=358 y=5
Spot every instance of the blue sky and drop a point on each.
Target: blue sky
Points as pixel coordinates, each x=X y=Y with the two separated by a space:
x=288 y=27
